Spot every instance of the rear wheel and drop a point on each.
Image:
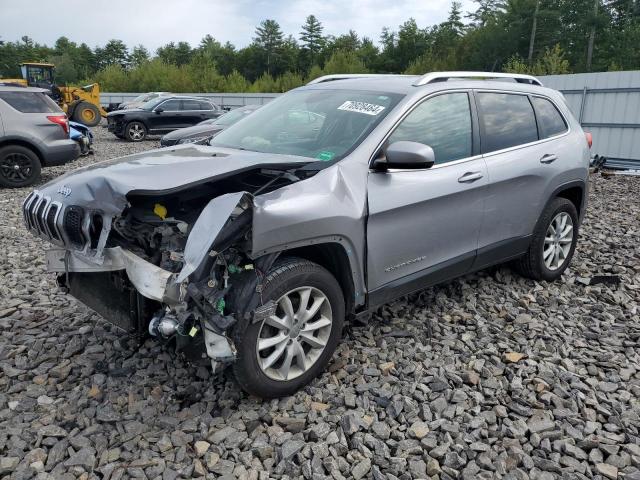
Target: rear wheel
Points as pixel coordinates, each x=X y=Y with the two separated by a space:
x=19 y=166
x=87 y=114
x=281 y=354
x=553 y=242
x=135 y=131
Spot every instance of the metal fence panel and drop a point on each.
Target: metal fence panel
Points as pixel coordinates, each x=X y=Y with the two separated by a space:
x=607 y=105
x=225 y=100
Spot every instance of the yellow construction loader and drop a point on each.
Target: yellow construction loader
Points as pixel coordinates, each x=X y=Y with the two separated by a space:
x=81 y=104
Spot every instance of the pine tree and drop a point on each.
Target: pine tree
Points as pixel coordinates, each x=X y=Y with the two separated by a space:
x=311 y=35
x=269 y=39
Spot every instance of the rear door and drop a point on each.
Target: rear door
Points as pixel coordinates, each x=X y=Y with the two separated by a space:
x=423 y=225
x=523 y=158
x=192 y=112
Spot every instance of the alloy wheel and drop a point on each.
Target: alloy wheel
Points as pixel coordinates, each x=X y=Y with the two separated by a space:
x=16 y=167
x=292 y=339
x=136 y=132
x=557 y=241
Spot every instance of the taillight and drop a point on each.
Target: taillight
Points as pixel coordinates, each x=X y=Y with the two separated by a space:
x=589 y=138
x=60 y=120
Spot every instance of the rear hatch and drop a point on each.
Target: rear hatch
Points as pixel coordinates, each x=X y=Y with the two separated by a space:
x=39 y=110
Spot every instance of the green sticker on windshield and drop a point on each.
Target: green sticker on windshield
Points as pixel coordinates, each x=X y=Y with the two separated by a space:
x=325 y=156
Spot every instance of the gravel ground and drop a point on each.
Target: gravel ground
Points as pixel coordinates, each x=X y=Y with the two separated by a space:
x=489 y=376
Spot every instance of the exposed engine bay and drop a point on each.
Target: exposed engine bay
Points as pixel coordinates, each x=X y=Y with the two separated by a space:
x=177 y=266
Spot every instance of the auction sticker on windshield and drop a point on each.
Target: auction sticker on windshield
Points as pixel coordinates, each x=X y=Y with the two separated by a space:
x=361 y=107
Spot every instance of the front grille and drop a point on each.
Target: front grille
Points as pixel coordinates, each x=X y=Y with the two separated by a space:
x=72 y=223
x=47 y=219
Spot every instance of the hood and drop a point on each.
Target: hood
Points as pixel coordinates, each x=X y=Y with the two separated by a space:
x=105 y=185
x=195 y=131
x=131 y=109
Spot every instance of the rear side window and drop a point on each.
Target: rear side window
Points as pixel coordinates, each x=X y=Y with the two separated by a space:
x=508 y=120
x=442 y=122
x=205 y=106
x=30 y=102
x=550 y=120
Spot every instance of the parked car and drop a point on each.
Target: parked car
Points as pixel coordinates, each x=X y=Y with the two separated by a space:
x=140 y=100
x=256 y=248
x=161 y=115
x=83 y=136
x=34 y=133
x=205 y=130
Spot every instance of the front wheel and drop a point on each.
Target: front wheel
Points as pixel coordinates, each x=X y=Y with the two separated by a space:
x=553 y=242
x=284 y=352
x=135 y=131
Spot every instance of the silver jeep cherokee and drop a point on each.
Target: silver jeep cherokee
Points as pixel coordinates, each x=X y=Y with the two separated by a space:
x=328 y=202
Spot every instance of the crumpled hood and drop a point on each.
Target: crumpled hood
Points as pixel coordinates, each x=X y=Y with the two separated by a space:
x=104 y=185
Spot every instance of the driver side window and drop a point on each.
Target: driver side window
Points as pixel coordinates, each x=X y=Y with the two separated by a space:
x=442 y=122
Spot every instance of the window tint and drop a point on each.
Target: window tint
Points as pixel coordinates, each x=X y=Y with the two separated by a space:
x=443 y=123
x=550 y=121
x=508 y=121
x=30 y=102
x=190 y=105
x=171 y=105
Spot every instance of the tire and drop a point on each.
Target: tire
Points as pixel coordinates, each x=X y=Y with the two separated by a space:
x=87 y=114
x=19 y=167
x=290 y=277
x=135 y=131
x=533 y=264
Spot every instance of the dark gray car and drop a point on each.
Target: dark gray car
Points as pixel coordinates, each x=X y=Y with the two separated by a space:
x=203 y=131
x=326 y=203
x=34 y=133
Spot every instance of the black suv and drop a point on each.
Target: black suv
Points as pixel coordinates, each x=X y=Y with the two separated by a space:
x=161 y=115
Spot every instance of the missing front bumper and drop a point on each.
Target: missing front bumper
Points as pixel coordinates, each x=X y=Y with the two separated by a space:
x=149 y=280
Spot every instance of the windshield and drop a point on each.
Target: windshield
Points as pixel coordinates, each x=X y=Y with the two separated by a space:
x=233 y=116
x=322 y=124
x=145 y=97
x=152 y=103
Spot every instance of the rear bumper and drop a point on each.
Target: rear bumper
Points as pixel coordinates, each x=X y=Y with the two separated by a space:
x=60 y=152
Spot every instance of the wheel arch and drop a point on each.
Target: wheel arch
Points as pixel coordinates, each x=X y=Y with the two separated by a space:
x=5 y=142
x=332 y=256
x=575 y=192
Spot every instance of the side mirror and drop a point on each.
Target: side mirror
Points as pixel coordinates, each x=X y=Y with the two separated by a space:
x=407 y=155
x=159 y=110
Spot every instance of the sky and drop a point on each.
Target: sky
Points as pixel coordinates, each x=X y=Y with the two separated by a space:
x=154 y=23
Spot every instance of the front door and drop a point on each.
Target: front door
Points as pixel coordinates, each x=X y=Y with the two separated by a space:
x=170 y=118
x=423 y=224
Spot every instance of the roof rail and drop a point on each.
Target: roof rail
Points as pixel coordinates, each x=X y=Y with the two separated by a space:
x=444 y=76
x=346 y=76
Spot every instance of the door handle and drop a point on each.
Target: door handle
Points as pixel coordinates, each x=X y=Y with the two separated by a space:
x=548 y=158
x=470 y=177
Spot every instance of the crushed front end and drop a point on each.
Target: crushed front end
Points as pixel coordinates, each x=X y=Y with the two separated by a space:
x=170 y=266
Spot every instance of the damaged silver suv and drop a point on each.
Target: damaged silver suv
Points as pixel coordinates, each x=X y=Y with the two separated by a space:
x=326 y=203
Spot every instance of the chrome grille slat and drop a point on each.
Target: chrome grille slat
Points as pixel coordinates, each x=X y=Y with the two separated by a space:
x=33 y=213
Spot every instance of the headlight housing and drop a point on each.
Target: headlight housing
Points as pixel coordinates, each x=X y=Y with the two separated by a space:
x=194 y=139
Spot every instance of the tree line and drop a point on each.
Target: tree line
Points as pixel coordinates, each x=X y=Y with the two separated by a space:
x=525 y=36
